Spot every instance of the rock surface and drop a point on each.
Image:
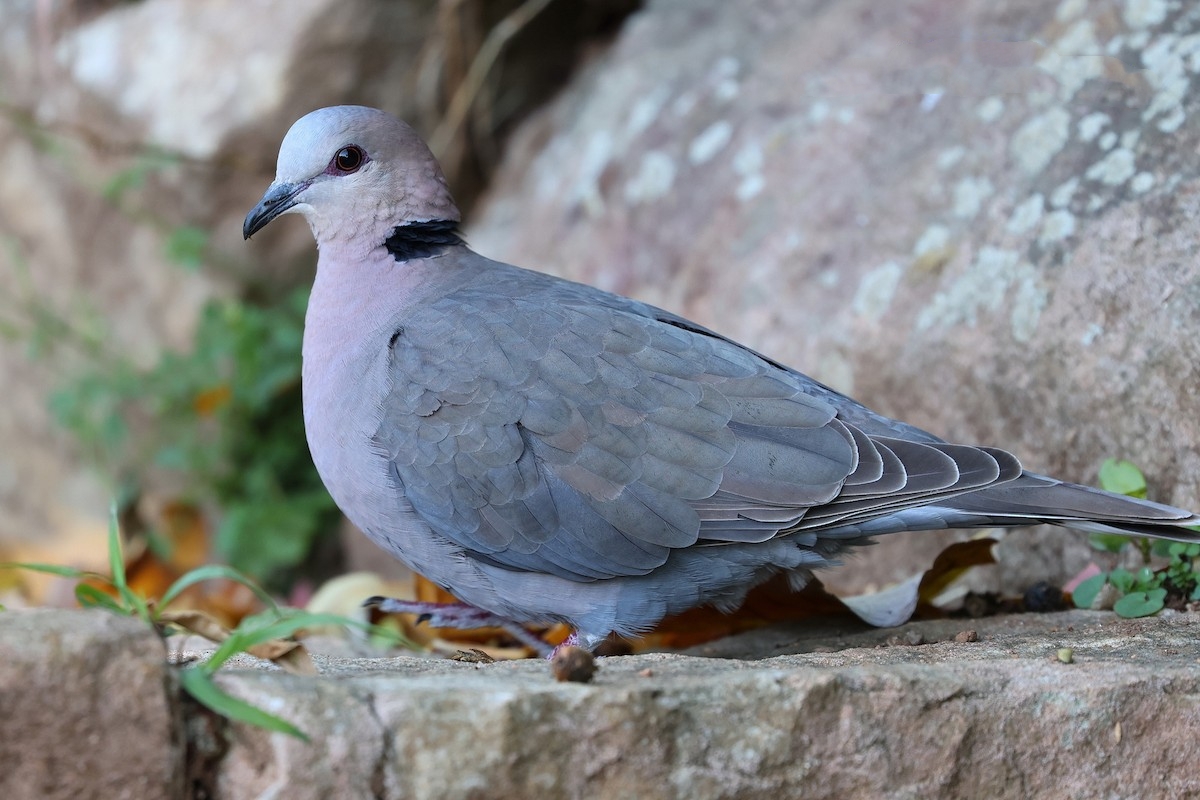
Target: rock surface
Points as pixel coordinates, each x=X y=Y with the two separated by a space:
x=1000 y=718
x=88 y=709
x=977 y=216
x=783 y=712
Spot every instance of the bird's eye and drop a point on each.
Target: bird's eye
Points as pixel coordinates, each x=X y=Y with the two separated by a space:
x=347 y=160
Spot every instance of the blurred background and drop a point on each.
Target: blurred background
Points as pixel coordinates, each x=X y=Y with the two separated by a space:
x=978 y=215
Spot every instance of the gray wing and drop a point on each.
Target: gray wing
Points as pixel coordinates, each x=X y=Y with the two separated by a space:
x=587 y=440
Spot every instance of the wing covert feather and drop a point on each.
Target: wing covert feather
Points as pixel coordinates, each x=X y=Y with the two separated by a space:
x=583 y=440
x=556 y=433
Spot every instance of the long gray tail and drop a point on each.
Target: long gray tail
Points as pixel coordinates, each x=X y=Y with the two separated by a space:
x=1031 y=499
x=1034 y=498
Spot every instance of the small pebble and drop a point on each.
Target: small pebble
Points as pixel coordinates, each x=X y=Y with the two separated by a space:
x=911 y=638
x=646 y=673
x=573 y=664
x=472 y=656
x=966 y=636
x=1066 y=655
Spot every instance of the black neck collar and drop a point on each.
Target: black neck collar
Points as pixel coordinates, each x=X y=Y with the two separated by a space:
x=422 y=239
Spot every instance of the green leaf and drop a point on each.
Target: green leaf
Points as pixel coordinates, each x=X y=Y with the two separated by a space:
x=389 y=634
x=1109 y=542
x=187 y=245
x=1167 y=549
x=269 y=534
x=1146 y=579
x=53 y=569
x=1140 y=604
x=242 y=638
x=1085 y=593
x=1122 y=579
x=89 y=596
x=116 y=563
x=116 y=559
x=134 y=176
x=215 y=572
x=1122 y=477
x=122 y=182
x=199 y=684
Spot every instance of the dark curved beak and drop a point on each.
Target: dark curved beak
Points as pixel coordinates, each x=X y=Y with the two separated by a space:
x=278 y=199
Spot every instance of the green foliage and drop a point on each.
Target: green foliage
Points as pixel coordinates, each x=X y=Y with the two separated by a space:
x=197 y=681
x=203 y=689
x=1108 y=542
x=1141 y=604
x=1144 y=592
x=134 y=177
x=1183 y=571
x=1085 y=593
x=1122 y=477
x=187 y=245
x=227 y=415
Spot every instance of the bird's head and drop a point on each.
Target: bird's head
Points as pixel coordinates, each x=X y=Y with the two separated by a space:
x=355 y=173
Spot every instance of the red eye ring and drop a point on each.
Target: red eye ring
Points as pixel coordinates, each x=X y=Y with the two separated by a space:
x=346 y=161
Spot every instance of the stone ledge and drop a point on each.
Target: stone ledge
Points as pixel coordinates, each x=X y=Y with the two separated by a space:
x=834 y=715
x=998 y=718
x=87 y=708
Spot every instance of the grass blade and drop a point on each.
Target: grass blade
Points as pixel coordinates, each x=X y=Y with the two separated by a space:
x=54 y=569
x=215 y=572
x=89 y=596
x=199 y=684
x=116 y=561
x=242 y=640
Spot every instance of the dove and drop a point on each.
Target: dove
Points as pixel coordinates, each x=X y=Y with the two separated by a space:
x=550 y=452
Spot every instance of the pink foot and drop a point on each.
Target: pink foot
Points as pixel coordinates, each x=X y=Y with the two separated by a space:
x=459 y=615
x=571 y=641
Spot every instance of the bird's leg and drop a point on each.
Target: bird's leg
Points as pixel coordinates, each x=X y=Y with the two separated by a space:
x=572 y=640
x=459 y=615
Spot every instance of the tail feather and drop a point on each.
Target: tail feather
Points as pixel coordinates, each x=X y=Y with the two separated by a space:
x=1042 y=499
x=1033 y=499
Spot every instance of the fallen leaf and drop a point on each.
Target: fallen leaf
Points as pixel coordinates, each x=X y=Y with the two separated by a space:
x=770 y=602
x=889 y=607
x=952 y=562
x=209 y=401
x=290 y=655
